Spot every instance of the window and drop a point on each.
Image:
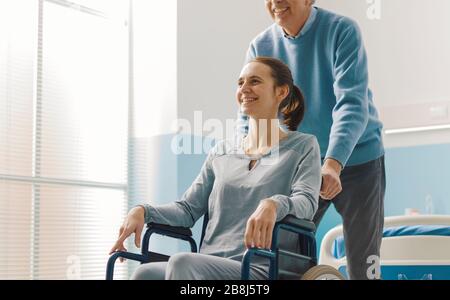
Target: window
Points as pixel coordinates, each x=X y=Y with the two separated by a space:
x=63 y=136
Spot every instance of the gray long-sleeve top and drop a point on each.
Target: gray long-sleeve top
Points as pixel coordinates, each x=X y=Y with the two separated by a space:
x=230 y=192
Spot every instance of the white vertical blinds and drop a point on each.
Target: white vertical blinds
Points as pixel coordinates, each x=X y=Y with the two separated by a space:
x=15 y=230
x=17 y=49
x=76 y=228
x=63 y=137
x=84 y=94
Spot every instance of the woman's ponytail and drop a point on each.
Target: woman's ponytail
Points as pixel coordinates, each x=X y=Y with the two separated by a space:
x=293 y=108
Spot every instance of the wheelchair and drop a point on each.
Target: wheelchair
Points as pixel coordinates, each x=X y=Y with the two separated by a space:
x=279 y=267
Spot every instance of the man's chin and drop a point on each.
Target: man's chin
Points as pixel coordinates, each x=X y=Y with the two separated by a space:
x=281 y=22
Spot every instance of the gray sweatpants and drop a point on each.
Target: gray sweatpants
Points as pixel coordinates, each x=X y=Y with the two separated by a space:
x=361 y=206
x=196 y=266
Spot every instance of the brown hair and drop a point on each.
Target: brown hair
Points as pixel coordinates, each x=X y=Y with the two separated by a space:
x=292 y=108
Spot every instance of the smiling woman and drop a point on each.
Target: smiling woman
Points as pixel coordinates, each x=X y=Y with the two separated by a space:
x=266 y=90
x=242 y=205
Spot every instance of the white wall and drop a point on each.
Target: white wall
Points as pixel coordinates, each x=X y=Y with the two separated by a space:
x=155 y=67
x=408 y=48
x=153 y=170
x=408 y=44
x=213 y=37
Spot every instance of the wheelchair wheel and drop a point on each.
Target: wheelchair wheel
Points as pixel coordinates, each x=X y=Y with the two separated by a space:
x=322 y=272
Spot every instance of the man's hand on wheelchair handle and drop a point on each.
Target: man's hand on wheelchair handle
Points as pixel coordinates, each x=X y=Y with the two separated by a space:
x=331 y=182
x=133 y=223
x=258 y=232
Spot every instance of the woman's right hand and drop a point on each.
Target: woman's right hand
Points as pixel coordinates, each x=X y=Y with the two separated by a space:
x=134 y=223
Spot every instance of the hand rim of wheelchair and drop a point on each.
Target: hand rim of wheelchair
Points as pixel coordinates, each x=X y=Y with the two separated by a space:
x=322 y=272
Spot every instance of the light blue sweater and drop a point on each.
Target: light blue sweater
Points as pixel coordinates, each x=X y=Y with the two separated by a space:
x=329 y=64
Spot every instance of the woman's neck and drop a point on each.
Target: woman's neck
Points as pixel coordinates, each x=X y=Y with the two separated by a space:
x=263 y=135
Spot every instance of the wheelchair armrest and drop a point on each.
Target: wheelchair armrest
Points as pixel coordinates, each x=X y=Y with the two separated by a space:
x=147 y=256
x=289 y=223
x=292 y=224
x=169 y=230
x=300 y=223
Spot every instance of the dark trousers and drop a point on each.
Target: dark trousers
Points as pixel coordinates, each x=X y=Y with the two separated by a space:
x=361 y=206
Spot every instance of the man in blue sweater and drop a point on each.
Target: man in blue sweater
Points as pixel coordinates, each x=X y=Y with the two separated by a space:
x=327 y=58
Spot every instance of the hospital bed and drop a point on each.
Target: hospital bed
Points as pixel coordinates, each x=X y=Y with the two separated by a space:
x=413 y=247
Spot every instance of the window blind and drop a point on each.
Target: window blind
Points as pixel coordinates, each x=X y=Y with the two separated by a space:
x=63 y=137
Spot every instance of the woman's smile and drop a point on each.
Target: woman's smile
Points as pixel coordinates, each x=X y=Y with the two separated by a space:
x=248 y=100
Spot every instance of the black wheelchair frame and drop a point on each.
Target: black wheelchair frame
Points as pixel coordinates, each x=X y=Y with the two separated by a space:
x=304 y=228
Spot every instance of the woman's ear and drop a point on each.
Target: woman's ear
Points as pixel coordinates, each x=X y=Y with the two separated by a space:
x=282 y=92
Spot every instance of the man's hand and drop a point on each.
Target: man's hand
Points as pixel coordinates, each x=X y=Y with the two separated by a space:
x=331 y=183
x=134 y=223
x=260 y=225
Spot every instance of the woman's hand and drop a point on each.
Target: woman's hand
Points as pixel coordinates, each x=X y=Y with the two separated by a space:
x=331 y=182
x=134 y=223
x=260 y=225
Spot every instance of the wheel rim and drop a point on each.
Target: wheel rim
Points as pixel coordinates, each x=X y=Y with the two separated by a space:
x=328 y=277
x=323 y=272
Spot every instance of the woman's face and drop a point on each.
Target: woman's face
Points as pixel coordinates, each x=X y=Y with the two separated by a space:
x=256 y=93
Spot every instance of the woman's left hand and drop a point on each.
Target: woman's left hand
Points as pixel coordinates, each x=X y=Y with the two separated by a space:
x=260 y=225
